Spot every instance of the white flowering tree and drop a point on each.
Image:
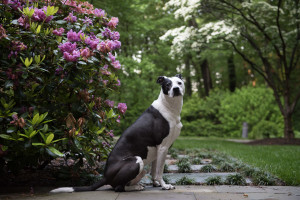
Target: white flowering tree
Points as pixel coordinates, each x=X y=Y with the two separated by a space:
x=265 y=33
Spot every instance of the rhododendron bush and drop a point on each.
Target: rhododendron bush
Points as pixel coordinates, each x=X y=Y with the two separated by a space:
x=58 y=68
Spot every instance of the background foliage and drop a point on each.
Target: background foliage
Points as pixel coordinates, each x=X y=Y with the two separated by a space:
x=146 y=57
x=223 y=113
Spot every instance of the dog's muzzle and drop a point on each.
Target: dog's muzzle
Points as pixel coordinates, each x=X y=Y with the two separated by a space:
x=176 y=91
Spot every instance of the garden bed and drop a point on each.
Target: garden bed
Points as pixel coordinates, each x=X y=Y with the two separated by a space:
x=203 y=167
x=275 y=141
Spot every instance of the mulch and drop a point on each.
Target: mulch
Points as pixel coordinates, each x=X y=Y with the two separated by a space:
x=275 y=141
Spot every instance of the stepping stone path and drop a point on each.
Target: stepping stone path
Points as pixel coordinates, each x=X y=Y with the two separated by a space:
x=196 y=175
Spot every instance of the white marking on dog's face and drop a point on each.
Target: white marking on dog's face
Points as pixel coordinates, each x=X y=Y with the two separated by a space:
x=177 y=88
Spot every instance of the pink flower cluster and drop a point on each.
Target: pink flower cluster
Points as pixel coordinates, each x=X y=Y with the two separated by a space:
x=40 y=16
x=109 y=103
x=104 y=70
x=70 y=18
x=109 y=45
x=15 y=4
x=85 y=53
x=99 y=13
x=92 y=41
x=2 y=32
x=73 y=36
x=122 y=108
x=118 y=83
x=116 y=64
x=70 y=52
x=113 y=35
x=58 y=31
x=16 y=46
x=88 y=21
x=80 y=7
x=112 y=24
x=22 y=21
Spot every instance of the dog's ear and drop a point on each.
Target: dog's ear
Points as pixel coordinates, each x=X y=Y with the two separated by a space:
x=160 y=80
x=178 y=76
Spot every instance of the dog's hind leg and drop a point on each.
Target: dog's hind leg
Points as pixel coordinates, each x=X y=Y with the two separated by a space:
x=130 y=168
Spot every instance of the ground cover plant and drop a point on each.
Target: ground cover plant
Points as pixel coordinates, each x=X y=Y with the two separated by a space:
x=184 y=165
x=216 y=180
x=185 y=181
x=236 y=179
x=58 y=69
x=280 y=161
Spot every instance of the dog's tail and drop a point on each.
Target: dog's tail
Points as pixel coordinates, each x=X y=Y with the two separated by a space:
x=80 y=189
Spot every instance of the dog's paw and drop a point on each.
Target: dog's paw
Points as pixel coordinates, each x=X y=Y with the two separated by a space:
x=134 y=188
x=156 y=184
x=168 y=187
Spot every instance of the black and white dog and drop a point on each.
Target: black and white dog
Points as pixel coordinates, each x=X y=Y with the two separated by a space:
x=145 y=142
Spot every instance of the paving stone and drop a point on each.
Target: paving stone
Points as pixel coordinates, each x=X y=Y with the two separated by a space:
x=180 y=193
x=151 y=196
x=268 y=196
x=95 y=195
x=259 y=189
x=170 y=161
x=199 y=178
x=183 y=156
x=195 y=188
x=218 y=196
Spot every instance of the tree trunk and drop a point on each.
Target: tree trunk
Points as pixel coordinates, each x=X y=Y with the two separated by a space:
x=231 y=73
x=206 y=77
x=187 y=74
x=198 y=78
x=288 y=126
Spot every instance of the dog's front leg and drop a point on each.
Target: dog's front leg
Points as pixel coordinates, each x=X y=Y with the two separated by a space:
x=160 y=161
x=153 y=174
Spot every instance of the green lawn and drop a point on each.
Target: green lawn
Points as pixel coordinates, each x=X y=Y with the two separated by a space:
x=281 y=161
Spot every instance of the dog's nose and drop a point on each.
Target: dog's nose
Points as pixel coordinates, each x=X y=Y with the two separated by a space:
x=176 y=91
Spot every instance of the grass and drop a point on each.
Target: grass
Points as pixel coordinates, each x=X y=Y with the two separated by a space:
x=281 y=161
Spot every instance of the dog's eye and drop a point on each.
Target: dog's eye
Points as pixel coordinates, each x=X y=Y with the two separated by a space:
x=168 y=84
x=179 y=83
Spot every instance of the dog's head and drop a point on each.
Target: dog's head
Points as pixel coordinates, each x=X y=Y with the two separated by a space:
x=173 y=87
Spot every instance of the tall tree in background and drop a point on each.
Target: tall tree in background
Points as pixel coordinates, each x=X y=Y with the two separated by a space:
x=264 y=33
x=231 y=73
x=182 y=41
x=144 y=56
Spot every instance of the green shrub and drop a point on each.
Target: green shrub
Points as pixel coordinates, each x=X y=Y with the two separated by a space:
x=185 y=181
x=56 y=76
x=236 y=179
x=215 y=180
x=222 y=113
x=184 y=166
x=265 y=129
x=199 y=115
x=251 y=105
